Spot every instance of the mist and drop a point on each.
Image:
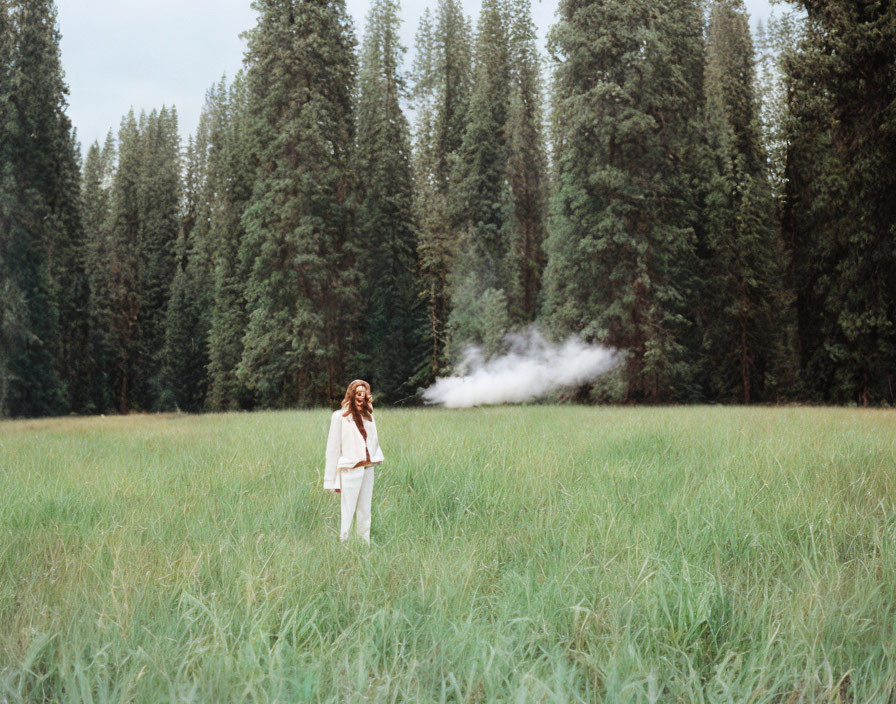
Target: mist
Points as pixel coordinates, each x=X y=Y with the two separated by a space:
x=531 y=369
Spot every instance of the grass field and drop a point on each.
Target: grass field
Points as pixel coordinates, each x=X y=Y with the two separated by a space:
x=554 y=554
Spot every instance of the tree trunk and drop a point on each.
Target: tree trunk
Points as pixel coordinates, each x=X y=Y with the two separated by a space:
x=123 y=390
x=744 y=360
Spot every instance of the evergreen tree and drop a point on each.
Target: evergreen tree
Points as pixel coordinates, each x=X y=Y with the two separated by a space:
x=526 y=162
x=190 y=302
x=41 y=231
x=621 y=258
x=117 y=296
x=95 y=198
x=12 y=304
x=159 y=211
x=41 y=75
x=132 y=287
x=772 y=43
x=233 y=168
x=442 y=84
x=75 y=362
x=745 y=306
x=391 y=342
x=479 y=197
x=303 y=288
x=840 y=218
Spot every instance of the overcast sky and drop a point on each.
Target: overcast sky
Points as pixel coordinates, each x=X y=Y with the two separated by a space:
x=148 y=53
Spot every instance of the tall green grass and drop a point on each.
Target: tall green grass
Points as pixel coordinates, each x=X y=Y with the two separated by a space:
x=552 y=554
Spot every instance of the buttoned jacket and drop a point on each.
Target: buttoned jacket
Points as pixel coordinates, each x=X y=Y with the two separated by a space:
x=346 y=446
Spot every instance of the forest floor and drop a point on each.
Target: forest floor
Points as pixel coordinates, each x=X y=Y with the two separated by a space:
x=520 y=553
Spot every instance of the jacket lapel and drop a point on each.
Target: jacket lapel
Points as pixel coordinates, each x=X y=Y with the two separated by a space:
x=351 y=421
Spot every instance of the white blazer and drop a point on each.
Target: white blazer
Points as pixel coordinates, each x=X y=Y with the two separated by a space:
x=345 y=446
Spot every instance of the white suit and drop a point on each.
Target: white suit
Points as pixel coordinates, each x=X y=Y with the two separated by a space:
x=345 y=449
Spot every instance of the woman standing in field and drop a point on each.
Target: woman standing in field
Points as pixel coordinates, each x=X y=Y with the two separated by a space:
x=353 y=450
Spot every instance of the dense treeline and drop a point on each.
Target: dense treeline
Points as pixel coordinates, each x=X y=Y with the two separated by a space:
x=716 y=205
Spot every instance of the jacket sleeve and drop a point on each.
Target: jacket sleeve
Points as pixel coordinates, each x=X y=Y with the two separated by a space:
x=334 y=440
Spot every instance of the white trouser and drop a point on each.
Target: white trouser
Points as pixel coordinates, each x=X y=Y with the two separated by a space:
x=356 y=490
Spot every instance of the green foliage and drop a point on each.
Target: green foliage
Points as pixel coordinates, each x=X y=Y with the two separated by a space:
x=74 y=359
x=479 y=195
x=117 y=299
x=746 y=311
x=772 y=40
x=840 y=218
x=189 y=308
x=302 y=290
x=159 y=208
x=44 y=361
x=621 y=268
x=722 y=216
x=138 y=256
x=96 y=187
x=497 y=193
x=232 y=168
x=11 y=304
x=478 y=317
x=392 y=323
x=442 y=84
x=527 y=172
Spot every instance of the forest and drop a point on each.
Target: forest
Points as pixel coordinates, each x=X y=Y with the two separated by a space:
x=715 y=202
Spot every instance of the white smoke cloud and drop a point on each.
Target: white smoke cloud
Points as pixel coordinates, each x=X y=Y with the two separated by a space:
x=531 y=369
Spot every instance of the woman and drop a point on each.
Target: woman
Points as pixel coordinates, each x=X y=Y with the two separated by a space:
x=353 y=450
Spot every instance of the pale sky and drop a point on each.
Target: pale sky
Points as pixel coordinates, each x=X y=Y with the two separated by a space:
x=148 y=53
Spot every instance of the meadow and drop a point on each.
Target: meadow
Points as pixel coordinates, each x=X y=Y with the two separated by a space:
x=542 y=553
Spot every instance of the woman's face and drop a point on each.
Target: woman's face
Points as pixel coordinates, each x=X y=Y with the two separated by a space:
x=360 y=397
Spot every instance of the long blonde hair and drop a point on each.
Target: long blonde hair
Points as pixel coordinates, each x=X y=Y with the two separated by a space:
x=348 y=403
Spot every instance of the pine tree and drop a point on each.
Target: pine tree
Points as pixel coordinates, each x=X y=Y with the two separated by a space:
x=479 y=198
x=391 y=343
x=626 y=117
x=117 y=297
x=772 y=43
x=190 y=302
x=12 y=304
x=745 y=305
x=75 y=362
x=840 y=218
x=303 y=288
x=159 y=212
x=132 y=287
x=41 y=228
x=442 y=84
x=95 y=199
x=55 y=151
x=234 y=168
x=526 y=162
